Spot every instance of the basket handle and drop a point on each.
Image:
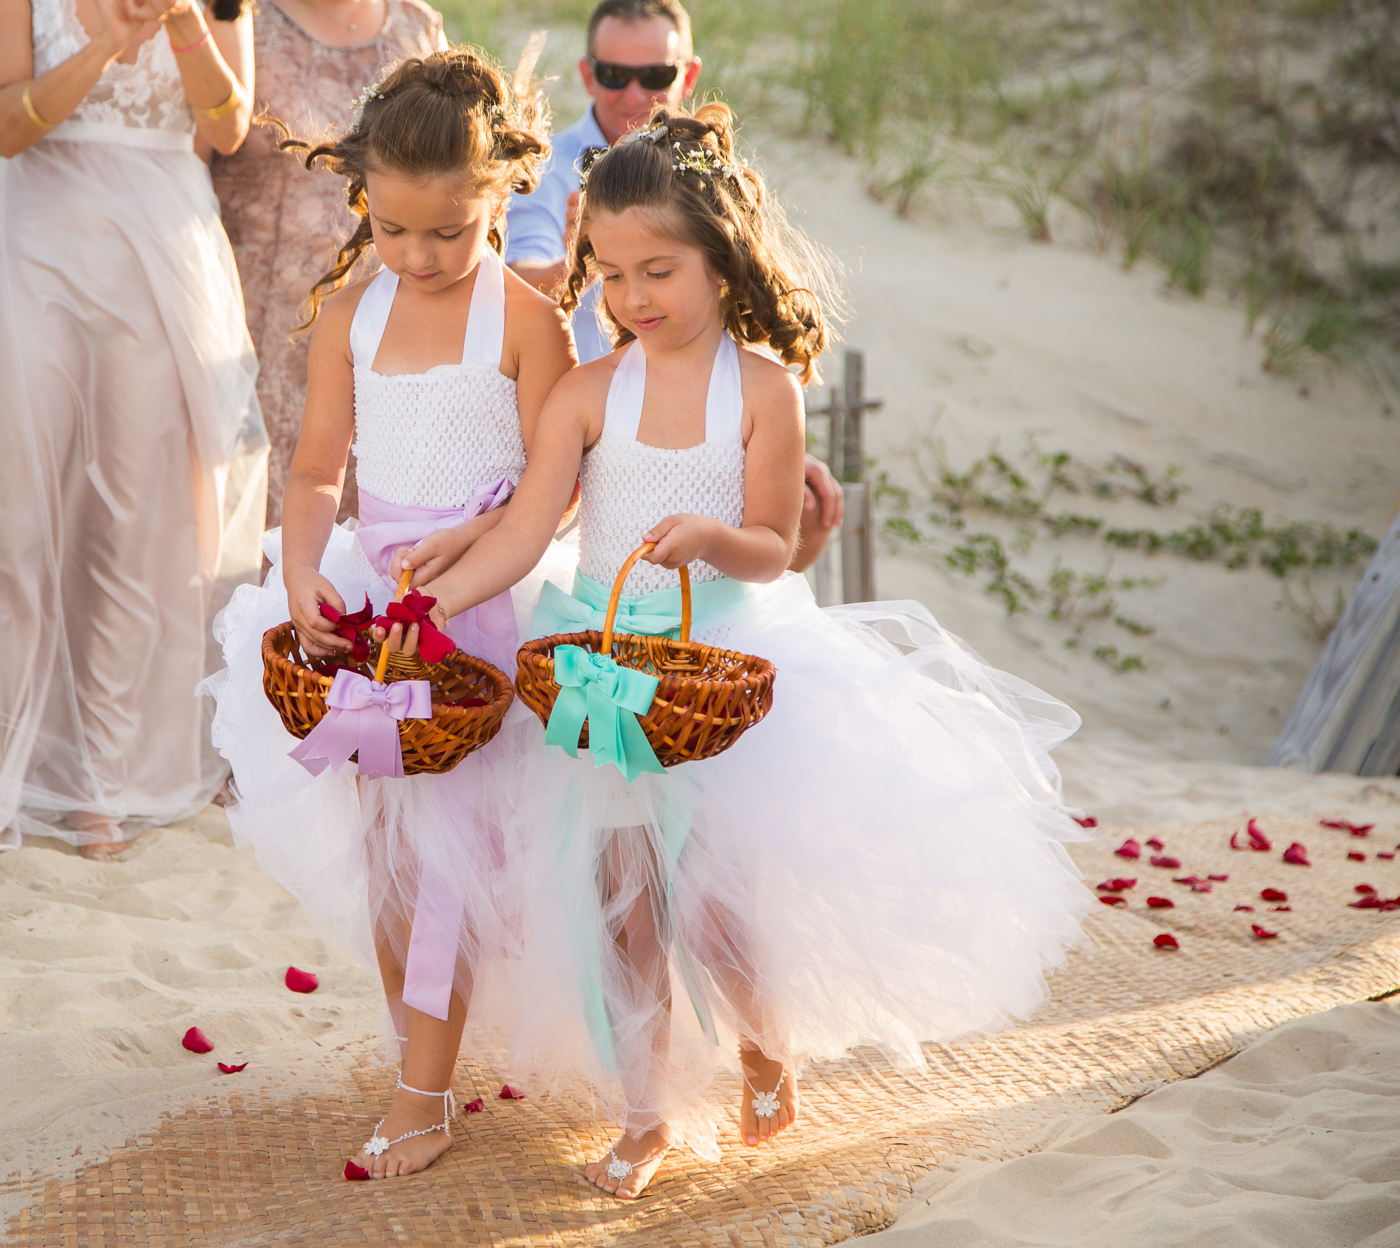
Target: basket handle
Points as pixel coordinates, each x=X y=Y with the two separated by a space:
x=617 y=597
x=383 y=664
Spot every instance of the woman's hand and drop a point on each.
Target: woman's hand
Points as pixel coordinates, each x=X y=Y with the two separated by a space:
x=681 y=540
x=122 y=22
x=306 y=591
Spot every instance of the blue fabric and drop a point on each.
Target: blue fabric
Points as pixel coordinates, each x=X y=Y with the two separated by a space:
x=535 y=225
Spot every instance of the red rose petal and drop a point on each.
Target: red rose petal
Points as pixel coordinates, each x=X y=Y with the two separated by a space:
x=1129 y=849
x=1087 y=822
x=509 y=1093
x=1257 y=840
x=1368 y=903
x=1171 y=864
x=231 y=1070
x=301 y=981
x=1356 y=829
x=1161 y=903
x=1155 y=843
x=1280 y=908
x=356 y=1174
x=1297 y=854
x=1274 y=894
x=1365 y=888
x=1197 y=884
x=1117 y=885
x=1249 y=908
x=197 y=1042
x=1356 y=857
x=1221 y=878
x=1261 y=933
x=1165 y=940
x=1385 y=855
x=474 y=1107
x=1113 y=900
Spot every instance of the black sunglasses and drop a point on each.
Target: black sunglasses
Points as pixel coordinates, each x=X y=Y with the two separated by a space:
x=612 y=77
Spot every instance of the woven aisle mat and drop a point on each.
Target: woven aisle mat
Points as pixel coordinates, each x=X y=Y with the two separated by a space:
x=1124 y=1017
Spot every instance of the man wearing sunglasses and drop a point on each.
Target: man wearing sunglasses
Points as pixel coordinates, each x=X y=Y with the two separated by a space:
x=639 y=54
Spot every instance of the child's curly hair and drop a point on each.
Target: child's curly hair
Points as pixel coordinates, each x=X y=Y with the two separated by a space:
x=452 y=112
x=686 y=166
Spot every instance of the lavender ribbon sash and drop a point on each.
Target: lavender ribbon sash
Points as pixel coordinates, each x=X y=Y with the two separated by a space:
x=488 y=630
x=363 y=715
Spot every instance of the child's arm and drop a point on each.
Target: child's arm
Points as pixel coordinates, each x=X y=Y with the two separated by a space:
x=571 y=420
x=437 y=552
x=317 y=474
x=773 y=482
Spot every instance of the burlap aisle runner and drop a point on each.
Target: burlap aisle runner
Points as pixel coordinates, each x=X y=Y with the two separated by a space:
x=1124 y=1017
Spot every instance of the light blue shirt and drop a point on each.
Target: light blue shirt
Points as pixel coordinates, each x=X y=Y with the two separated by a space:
x=535 y=226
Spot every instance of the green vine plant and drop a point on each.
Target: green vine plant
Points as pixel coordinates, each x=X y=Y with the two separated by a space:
x=1028 y=492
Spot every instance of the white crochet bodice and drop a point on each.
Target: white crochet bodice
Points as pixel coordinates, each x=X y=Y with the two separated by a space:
x=627 y=485
x=140 y=105
x=430 y=439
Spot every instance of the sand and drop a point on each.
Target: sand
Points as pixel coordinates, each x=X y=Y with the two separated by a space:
x=104 y=966
x=1290 y=1144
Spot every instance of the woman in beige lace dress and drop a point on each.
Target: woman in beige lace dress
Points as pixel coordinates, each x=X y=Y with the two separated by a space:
x=314 y=59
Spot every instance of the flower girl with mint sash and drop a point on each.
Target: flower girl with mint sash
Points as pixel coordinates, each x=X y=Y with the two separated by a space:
x=879 y=860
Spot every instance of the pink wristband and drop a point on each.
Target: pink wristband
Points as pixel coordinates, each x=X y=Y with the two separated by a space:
x=194 y=47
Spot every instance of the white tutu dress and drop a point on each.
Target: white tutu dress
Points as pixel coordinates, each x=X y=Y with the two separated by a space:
x=878 y=861
x=376 y=857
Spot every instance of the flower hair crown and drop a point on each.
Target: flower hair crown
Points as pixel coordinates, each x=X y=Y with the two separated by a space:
x=375 y=91
x=701 y=161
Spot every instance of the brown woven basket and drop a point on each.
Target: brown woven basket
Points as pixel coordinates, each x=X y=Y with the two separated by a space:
x=430 y=746
x=706 y=699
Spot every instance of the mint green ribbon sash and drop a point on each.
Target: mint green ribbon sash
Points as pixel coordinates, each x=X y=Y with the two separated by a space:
x=595 y=688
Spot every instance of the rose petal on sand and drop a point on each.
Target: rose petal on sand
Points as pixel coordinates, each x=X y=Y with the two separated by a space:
x=1261 y=933
x=197 y=1042
x=301 y=981
x=1197 y=884
x=1278 y=909
x=1171 y=864
x=474 y=1107
x=1129 y=849
x=1356 y=857
x=1249 y=908
x=1219 y=878
x=1161 y=903
x=1113 y=900
x=1257 y=840
x=1365 y=888
x=1087 y=822
x=1274 y=894
x=1165 y=940
x=1117 y=885
x=231 y=1070
x=1356 y=829
x=1384 y=854
x=1156 y=844
x=1297 y=854
x=1367 y=903
x=509 y=1093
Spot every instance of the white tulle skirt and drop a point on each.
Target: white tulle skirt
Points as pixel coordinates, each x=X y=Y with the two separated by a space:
x=410 y=872
x=879 y=861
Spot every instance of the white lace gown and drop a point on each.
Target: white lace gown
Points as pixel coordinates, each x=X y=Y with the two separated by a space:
x=367 y=857
x=879 y=861
x=132 y=452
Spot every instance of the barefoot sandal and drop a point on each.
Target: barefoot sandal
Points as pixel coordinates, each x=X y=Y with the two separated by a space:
x=765 y=1104
x=377 y=1144
x=621 y=1170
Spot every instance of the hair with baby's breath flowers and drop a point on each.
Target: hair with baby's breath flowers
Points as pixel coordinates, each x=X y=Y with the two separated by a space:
x=454 y=112
x=684 y=168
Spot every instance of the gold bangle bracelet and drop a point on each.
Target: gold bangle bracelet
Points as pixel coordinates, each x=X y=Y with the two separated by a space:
x=31 y=110
x=222 y=110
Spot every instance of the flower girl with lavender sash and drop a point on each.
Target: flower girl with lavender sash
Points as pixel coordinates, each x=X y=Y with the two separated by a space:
x=438 y=367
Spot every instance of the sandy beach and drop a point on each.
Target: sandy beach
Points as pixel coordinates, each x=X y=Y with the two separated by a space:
x=103 y=967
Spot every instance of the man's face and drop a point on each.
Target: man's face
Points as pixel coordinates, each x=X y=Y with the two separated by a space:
x=652 y=42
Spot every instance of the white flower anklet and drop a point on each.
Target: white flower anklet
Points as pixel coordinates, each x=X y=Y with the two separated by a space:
x=765 y=1104
x=377 y=1144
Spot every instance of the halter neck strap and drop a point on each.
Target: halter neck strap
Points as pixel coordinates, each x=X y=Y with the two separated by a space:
x=724 y=403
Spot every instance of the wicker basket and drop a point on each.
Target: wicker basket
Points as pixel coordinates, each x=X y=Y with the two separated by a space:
x=430 y=746
x=706 y=699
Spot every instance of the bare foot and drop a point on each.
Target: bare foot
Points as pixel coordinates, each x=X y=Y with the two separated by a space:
x=630 y=1164
x=108 y=839
x=410 y=1112
x=775 y=1090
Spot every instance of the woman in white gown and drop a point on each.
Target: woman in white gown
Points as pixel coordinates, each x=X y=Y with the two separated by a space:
x=132 y=451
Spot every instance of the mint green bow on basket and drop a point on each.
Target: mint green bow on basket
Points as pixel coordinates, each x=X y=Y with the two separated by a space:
x=638 y=702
